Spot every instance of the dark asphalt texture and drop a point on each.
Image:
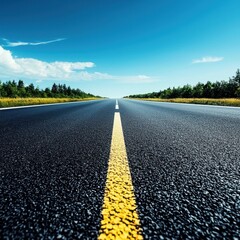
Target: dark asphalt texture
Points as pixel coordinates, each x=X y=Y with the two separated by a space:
x=185 y=165
x=53 y=170
x=184 y=161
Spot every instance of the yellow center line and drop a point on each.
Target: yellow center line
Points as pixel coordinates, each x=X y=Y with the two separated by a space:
x=119 y=214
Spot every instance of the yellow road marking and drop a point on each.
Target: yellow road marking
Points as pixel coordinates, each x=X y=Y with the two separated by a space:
x=119 y=214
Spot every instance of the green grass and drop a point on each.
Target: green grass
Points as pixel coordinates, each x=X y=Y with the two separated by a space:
x=12 y=102
x=209 y=101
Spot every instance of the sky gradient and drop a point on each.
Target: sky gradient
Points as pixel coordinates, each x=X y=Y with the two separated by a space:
x=116 y=48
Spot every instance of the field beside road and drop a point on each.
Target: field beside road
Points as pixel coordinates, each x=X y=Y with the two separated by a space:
x=209 y=101
x=12 y=102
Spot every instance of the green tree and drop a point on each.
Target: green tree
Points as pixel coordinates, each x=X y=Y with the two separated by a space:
x=21 y=89
x=186 y=91
x=10 y=88
x=198 y=90
x=237 y=93
x=30 y=90
x=48 y=92
x=54 y=89
x=207 y=90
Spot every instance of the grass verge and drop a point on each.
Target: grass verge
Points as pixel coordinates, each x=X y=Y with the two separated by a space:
x=209 y=101
x=13 y=102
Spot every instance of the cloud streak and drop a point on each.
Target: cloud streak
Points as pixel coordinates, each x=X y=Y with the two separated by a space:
x=34 y=69
x=208 y=60
x=17 y=44
x=134 y=79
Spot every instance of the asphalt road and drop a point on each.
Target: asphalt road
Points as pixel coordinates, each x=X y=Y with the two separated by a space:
x=184 y=161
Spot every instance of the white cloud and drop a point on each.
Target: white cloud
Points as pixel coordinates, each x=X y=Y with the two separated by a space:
x=16 y=44
x=34 y=69
x=7 y=61
x=135 y=79
x=208 y=60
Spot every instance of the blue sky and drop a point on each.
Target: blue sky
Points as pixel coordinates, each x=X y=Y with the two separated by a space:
x=121 y=47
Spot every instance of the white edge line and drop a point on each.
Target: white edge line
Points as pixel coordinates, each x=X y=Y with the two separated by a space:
x=42 y=105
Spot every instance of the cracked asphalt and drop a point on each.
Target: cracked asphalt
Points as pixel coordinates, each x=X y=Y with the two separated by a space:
x=184 y=162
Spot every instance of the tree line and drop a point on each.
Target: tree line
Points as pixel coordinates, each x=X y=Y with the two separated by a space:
x=15 y=89
x=218 y=89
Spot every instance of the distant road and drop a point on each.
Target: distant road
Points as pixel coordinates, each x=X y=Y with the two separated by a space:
x=184 y=162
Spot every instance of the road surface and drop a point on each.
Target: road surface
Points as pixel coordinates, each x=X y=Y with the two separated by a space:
x=184 y=162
